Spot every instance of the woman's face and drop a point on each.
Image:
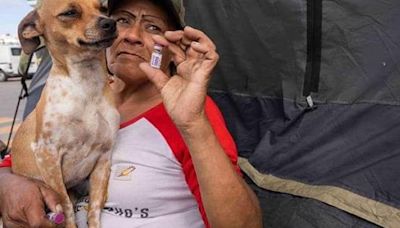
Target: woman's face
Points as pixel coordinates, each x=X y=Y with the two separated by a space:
x=137 y=21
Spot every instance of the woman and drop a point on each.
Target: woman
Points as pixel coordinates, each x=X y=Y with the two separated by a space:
x=174 y=163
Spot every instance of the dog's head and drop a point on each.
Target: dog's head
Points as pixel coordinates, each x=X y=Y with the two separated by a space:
x=68 y=27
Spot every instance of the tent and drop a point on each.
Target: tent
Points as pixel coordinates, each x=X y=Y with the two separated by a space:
x=311 y=93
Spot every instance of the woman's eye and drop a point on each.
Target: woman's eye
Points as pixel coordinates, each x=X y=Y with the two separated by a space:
x=154 y=28
x=122 y=20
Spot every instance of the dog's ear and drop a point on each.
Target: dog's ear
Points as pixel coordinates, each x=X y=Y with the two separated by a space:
x=29 y=32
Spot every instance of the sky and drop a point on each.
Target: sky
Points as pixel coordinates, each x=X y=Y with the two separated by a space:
x=11 y=13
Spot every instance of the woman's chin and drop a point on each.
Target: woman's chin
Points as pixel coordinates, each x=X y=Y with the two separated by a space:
x=128 y=69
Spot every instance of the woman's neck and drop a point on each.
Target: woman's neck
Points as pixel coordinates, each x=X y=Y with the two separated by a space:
x=136 y=100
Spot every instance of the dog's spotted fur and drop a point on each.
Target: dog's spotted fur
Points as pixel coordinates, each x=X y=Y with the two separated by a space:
x=70 y=134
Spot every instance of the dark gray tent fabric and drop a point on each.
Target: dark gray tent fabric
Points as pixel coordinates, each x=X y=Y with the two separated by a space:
x=349 y=138
x=283 y=210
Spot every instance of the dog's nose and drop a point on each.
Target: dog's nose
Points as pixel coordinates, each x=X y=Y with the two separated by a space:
x=107 y=24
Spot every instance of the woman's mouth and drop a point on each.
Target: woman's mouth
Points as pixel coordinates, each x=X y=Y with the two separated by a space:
x=124 y=53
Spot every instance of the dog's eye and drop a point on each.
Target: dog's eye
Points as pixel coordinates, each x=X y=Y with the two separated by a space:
x=103 y=10
x=69 y=13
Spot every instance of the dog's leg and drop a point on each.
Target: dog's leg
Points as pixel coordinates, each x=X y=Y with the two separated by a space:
x=49 y=164
x=98 y=189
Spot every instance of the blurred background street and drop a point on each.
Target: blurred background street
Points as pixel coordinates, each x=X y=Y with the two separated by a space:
x=9 y=92
x=11 y=13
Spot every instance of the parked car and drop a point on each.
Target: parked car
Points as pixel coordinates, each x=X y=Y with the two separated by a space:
x=10 y=56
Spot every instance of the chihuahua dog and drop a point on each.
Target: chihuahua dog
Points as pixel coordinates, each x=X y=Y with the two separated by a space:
x=70 y=135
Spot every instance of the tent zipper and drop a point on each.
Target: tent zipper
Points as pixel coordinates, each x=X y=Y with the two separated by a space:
x=314 y=44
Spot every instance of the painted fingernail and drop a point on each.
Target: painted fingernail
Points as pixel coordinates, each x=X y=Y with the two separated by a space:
x=56 y=218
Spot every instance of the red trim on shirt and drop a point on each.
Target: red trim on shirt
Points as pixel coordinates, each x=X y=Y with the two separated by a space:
x=224 y=137
x=131 y=121
x=6 y=162
x=160 y=119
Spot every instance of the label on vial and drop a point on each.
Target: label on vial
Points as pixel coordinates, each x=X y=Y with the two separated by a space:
x=155 y=61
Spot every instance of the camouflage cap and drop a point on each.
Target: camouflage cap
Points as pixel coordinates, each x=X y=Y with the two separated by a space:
x=174 y=7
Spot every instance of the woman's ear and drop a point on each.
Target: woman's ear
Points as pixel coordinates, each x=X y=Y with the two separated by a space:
x=29 y=32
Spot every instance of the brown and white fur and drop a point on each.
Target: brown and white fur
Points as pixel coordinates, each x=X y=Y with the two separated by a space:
x=70 y=134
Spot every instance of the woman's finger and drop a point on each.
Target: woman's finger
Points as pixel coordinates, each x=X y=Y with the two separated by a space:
x=156 y=76
x=51 y=198
x=161 y=40
x=193 y=34
x=187 y=36
x=180 y=39
x=178 y=53
x=9 y=223
x=201 y=48
x=204 y=51
x=173 y=36
x=188 y=44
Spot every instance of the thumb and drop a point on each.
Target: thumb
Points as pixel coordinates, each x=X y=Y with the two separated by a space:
x=51 y=198
x=156 y=76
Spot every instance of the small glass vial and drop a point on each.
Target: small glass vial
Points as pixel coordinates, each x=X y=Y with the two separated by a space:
x=156 y=56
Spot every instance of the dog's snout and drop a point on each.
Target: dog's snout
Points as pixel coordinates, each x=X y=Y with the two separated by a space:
x=107 y=24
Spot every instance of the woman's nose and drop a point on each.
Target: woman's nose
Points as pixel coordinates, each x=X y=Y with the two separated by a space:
x=133 y=35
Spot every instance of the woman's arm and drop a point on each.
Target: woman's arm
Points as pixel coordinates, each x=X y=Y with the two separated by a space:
x=227 y=199
x=22 y=201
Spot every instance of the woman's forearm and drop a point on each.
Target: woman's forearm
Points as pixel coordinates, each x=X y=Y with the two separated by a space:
x=227 y=199
x=4 y=171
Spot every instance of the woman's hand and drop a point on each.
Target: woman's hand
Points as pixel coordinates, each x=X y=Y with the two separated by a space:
x=22 y=201
x=184 y=94
x=184 y=97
